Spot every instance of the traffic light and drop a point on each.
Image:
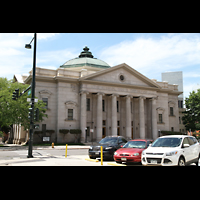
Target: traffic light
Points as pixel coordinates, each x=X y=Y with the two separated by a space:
x=15 y=95
x=36 y=115
x=30 y=113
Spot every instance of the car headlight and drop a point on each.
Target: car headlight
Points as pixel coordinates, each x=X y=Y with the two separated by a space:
x=172 y=153
x=136 y=154
x=115 y=153
x=91 y=148
x=143 y=153
x=108 y=148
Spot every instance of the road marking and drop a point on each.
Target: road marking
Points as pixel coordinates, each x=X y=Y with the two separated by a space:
x=92 y=160
x=115 y=164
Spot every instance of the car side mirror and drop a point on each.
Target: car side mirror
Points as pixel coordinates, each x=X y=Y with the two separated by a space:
x=186 y=145
x=149 y=145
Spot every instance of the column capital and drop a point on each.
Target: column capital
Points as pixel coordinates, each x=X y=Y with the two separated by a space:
x=115 y=95
x=128 y=96
x=84 y=92
x=100 y=93
x=154 y=98
x=142 y=97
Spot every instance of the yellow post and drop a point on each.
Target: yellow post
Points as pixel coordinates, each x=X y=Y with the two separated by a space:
x=101 y=155
x=66 y=152
x=52 y=145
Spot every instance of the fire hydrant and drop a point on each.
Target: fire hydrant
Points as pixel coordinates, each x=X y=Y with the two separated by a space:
x=52 y=145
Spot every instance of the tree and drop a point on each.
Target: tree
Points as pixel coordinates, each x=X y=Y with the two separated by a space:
x=191 y=118
x=16 y=111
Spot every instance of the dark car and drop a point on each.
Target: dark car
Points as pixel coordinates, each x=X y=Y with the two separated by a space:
x=110 y=145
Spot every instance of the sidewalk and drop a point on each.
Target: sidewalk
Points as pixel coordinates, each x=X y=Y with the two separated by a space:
x=49 y=161
x=13 y=147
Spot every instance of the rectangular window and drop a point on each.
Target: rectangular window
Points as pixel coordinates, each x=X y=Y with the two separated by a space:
x=131 y=107
x=43 y=128
x=88 y=104
x=160 y=118
x=180 y=103
x=70 y=114
x=172 y=129
x=117 y=106
x=103 y=105
x=45 y=100
x=180 y=121
x=104 y=122
x=171 y=111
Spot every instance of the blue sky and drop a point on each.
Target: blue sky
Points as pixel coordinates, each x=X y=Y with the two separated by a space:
x=149 y=53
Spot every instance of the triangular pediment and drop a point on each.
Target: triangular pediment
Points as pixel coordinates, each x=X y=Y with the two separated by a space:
x=121 y=74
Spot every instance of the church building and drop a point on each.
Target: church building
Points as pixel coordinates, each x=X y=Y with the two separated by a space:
x=86 y=93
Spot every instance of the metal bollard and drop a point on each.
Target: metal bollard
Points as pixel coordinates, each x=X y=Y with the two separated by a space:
x=101 y=155
x=66 y=152
x=52 y=145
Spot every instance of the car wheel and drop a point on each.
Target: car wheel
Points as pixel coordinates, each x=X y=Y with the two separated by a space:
x=181 y=162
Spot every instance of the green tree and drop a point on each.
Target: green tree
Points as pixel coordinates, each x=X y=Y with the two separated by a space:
x=16 y=112
x=191 y=118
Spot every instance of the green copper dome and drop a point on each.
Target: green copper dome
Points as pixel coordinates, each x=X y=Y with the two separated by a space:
x=85 y=59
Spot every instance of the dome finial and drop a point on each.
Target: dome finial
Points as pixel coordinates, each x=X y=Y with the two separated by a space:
x=86 y=53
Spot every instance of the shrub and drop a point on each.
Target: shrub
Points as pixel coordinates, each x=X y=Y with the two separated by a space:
x=64 y=131
x=75 y=131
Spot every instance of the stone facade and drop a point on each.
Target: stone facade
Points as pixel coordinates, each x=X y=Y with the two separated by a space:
x=86 y=93
x=113 y=101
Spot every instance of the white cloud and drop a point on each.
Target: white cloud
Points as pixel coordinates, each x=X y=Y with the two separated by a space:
x=14 y=58
x=150 y=55
x=54 y=57
x=39 y=35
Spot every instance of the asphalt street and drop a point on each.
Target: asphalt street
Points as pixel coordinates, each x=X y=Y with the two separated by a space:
x=50 y=157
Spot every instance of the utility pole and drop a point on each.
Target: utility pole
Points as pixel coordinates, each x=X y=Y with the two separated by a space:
x=28 y=46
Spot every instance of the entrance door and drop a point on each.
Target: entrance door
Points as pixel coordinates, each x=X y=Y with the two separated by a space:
x=103 y=132
x=132 y=133
x=118 y=131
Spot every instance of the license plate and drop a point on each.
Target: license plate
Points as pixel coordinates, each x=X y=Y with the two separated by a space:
x=97 y=153
x=153 y=161
x=124 y=159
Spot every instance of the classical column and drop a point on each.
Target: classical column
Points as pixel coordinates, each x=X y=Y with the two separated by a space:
x=154 y=119
x=128 y=116
x=114 y=114
x=142 y=117
x=83 y=116
x=99 y=116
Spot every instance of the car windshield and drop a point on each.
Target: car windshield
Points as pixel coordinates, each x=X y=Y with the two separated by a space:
x=167 y=142
x=108 y=141
x=135 y=144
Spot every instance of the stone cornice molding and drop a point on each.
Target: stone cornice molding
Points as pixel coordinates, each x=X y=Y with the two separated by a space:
x=45 y=93
x=71 y=103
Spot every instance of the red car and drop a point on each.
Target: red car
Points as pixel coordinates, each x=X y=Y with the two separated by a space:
x=131 y=151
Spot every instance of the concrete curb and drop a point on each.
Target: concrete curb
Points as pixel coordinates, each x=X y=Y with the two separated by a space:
x=13 y=148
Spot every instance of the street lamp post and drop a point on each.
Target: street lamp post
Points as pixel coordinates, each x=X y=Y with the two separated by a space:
x=28 y=46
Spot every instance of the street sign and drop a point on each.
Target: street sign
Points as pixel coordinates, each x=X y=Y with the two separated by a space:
x=46 y=139
x=29 y=100
x=29 y=92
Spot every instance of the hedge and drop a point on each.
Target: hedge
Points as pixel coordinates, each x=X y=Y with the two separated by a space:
x=171 y=133
x=64 y=131
x=75 y=131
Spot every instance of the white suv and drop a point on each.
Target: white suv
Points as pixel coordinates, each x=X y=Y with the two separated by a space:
x=172 y=150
